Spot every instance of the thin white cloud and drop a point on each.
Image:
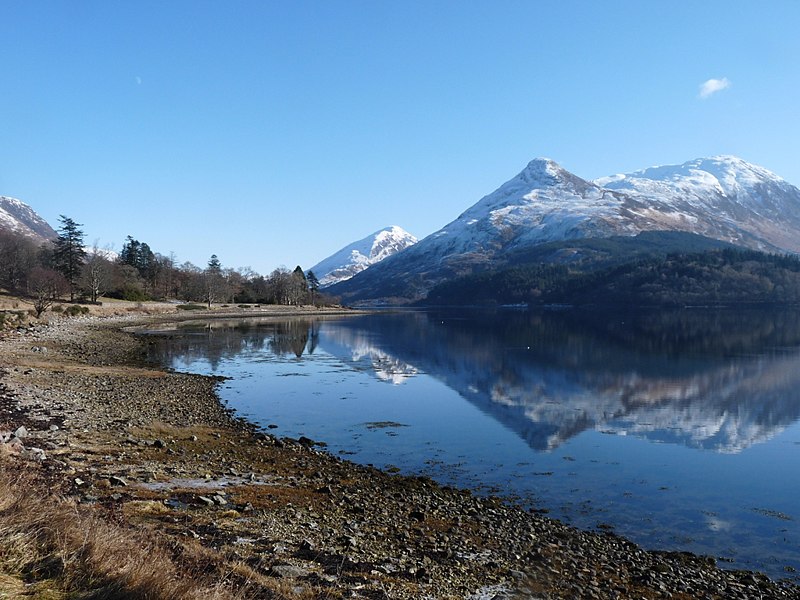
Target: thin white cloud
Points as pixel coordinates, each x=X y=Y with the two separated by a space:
x=712 y=86
x=138 y=80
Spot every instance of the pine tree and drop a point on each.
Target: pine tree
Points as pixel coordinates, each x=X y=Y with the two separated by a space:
x=313 y=285
x=298 y=287
x=68 y=252
x=214 y=266
x=214 y=288
x=138 y=255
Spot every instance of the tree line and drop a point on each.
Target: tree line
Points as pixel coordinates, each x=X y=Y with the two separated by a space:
x=715 y=277
x=67 y=268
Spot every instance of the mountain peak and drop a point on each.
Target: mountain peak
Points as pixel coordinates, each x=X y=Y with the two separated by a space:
x=17 y=216
x=540 y=175
x=544 y=172
x=362 y=254
x=722 y=174
x=542 y=163
x=733 y=167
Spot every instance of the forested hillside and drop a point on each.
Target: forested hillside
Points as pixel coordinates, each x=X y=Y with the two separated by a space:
x=728 y=276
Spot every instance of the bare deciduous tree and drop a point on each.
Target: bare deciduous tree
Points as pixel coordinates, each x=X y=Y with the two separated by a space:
x=18 y=255
x=96 y=273
x=45 y=286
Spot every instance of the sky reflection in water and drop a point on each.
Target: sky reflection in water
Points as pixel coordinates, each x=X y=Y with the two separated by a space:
x=679 y=430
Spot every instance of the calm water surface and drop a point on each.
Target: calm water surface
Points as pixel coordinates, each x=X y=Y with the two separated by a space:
x=677 y=430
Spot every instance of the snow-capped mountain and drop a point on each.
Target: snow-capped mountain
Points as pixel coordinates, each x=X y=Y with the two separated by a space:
x=17 y=216
x=723 y=198
x=726 y=198
x=359 y=255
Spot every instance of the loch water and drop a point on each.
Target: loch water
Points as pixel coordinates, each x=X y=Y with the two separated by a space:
x=678 y=430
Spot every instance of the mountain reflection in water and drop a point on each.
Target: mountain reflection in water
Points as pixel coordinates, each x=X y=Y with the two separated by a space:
x=720 y=380
x=703 y=407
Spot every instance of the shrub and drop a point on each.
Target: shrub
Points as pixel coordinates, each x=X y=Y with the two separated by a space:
x=134 y=294
x=190 y=307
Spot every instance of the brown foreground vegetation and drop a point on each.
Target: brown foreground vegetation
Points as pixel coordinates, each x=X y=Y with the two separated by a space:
x=54 y=548
x=129 y=481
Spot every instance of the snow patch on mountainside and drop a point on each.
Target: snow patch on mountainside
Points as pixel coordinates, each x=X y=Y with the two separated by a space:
x=702 y=178
x=20 y=218
x=362 y=254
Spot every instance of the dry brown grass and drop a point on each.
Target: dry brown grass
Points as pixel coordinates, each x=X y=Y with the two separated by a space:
x=57 y=547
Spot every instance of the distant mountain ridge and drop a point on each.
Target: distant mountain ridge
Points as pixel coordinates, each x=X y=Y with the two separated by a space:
x=20 y=218
x=360 y=255
x=723 y=198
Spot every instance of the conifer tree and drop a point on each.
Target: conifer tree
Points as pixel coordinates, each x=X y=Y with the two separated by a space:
x=298 y=286
x=68 y=252
x=214 y=288
x=313 y=285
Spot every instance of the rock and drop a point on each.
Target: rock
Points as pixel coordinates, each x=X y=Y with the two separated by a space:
x=205 y=500
x=21 y=432
x=218 y=499
x=117 y=481
x=307 y=548
x=160 y=444
x=14 y=446
x=78 y=482
x=387 y=568
x=36 y=454
x=287 y=571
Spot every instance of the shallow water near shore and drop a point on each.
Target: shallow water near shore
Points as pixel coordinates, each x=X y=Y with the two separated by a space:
x=678 y=430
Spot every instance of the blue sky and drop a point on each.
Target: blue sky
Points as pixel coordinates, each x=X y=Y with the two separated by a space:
x=274 y=133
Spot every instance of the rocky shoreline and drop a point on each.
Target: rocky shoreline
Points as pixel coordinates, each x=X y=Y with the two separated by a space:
x=157 y=452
